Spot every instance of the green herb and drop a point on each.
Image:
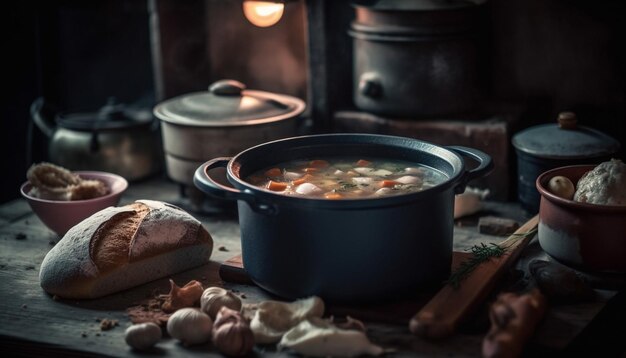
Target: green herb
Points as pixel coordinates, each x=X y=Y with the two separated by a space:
x=345 y=187
x=480 y=254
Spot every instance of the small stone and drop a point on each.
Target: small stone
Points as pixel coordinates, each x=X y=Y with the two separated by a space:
x=492 y=225
x=243 y=296
x=222 y=248
x=83 y=334
x=20 y=236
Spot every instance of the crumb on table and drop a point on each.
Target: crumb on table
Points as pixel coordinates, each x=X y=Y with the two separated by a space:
x=107 y=324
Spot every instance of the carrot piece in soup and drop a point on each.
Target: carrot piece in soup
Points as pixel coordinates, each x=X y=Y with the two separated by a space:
x=274 y=172
x=332 y=196
x=318 y=163
x=303 y=179
x=276 y=186
x=363 y=163
x=388 y=183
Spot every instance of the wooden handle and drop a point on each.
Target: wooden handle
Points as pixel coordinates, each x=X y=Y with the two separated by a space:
x=442 y=314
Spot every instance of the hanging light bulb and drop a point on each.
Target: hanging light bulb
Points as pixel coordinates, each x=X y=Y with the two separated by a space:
x=263 y=13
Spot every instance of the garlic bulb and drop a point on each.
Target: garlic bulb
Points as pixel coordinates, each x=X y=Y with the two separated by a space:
x=190 y=326
x=143 y=336
x=214 y=298
x=318 y=338
x=231 y=333
x=274 y=318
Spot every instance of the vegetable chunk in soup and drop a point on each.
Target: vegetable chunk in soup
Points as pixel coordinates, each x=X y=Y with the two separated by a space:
x=346 y=178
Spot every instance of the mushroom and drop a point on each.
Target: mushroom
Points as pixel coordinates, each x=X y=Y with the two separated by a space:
x=319 y=338
x=274 y=318
x=190 y=326
x=214 y=298
x=142 y=336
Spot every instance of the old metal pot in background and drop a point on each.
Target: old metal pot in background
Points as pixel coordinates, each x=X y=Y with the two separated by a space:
x=547 y=146
x=418 y=59
x=224 y=120
x=116 y=138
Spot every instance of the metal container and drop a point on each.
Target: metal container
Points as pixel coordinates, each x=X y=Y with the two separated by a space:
x=345 y=250
x=418 y=59
x=116 y=138
x=549 y=146
x=224 y=120
x=586 y=236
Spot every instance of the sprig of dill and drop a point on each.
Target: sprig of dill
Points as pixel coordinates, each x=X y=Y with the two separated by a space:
x=480 y=254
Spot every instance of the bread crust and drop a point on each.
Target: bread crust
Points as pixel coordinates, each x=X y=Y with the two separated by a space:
x=127 y=243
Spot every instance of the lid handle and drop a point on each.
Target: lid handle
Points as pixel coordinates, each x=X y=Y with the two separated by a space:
x=227 y=88
x=567 y=120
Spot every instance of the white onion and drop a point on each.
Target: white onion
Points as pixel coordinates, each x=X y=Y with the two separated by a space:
x=308 y=188
x=409 y=179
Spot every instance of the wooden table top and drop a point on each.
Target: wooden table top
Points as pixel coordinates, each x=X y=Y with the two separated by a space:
x=32 y=323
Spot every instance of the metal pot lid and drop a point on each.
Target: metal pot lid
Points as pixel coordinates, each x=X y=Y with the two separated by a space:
x=112 y=116
x=417 y=5
x=565 y=140
x=228 y=103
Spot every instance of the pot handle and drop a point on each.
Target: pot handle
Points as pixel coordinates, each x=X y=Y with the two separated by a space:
x=203 y=181
x=485 y=165
x=370 y=85
x=43 y=117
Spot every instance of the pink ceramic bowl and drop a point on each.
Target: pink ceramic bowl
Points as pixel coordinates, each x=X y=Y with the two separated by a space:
x=60 y=216
x=590 y=237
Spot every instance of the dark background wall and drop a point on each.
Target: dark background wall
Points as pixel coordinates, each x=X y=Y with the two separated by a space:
x=545 y=56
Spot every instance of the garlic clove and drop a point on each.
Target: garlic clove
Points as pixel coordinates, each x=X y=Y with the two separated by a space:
x=214 y=298
x=320 y=338
x=190 y=326
x=143 y=336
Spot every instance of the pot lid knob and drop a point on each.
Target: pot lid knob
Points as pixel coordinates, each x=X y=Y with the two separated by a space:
x=567 y=120
x=227 y=88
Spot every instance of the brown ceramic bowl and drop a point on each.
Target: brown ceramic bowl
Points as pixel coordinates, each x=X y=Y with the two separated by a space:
x=586 y=236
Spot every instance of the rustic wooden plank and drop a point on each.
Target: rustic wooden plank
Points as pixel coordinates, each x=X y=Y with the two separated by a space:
x=444 y=312
x=31 y=321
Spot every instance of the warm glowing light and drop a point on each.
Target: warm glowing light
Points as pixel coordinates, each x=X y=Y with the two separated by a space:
x=263 y=13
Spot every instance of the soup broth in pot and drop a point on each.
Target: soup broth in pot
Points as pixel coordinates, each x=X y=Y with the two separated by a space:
x=346 y=178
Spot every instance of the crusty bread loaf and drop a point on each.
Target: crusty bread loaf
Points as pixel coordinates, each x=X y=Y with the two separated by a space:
x=122 y=247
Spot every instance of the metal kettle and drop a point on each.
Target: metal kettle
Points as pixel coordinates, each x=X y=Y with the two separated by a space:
x=116 y=138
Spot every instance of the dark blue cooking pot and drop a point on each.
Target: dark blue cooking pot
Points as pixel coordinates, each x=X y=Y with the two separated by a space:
x=345 y=250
